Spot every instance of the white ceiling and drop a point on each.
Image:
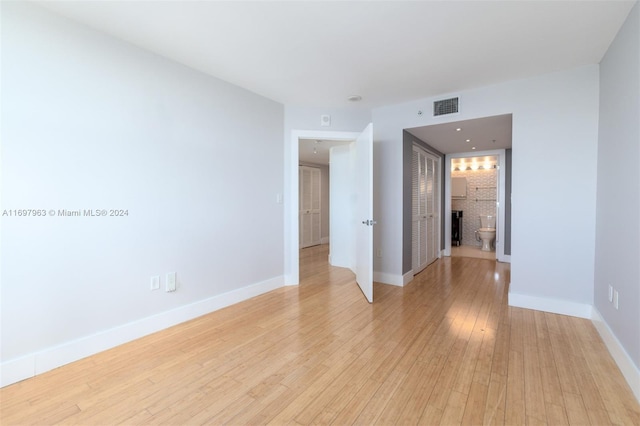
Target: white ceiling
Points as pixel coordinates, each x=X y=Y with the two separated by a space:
x=316 y=151
x=481 y=132
x=316 y=53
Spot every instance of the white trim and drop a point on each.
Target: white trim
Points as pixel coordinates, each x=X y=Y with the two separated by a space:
x=291 y=237
x=30 y=365
x=407 y=278
x=391 y=279
x=629 y=370
x=506 y=258
x=556 y=306
x=17 y=369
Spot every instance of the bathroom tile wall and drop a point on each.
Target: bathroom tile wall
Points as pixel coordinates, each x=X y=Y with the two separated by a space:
x=481 y=186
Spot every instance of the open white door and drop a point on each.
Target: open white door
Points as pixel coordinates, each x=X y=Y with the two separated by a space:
x=364 y=212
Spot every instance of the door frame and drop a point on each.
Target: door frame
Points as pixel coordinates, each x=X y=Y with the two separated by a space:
x=500 y=231
x=291 y=196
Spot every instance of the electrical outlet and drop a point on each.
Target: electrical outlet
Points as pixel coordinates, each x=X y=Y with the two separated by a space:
x=615 y=299
x=610 y=293
x=155 y=283
x=171 y=282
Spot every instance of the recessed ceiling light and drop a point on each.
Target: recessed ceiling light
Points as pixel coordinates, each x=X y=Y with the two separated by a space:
x=458 y=129
x=468 y=140
x=354 y=98
x=473 y=147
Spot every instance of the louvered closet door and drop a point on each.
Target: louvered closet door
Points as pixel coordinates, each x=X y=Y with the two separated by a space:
x=424 y=210
x=431 y=202
x=309 y=185
x=419 y=222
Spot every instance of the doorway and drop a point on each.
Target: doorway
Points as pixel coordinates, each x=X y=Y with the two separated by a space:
x=474 y=137
x=362 y=204
x=491 y=195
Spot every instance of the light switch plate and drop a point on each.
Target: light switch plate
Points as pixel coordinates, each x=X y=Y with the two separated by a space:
x=171 y=282
x=155 y=283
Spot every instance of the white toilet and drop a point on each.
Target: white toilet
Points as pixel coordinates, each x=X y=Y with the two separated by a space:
x=487 y=232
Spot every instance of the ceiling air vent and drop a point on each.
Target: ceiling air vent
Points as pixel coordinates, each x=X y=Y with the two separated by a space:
x=445 y=106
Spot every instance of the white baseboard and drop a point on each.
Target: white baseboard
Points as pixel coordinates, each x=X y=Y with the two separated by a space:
x=391 y=279
x=506 y=258
x=385 y=278
x=629 y=370
x=30 y=365
x=556 y=306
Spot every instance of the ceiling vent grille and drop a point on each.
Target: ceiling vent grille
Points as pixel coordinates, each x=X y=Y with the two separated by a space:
x=445 y=106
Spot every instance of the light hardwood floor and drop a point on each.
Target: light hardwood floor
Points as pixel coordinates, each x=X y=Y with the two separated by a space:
x=472 y=251
x=446 y=349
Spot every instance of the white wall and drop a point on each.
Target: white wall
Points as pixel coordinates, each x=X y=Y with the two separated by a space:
x=555 y=120
x=89 y=122
x=618 y=202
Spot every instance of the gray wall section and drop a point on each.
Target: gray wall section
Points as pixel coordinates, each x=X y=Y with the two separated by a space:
x=618 y=199
x=507 y=204
x=408 y=140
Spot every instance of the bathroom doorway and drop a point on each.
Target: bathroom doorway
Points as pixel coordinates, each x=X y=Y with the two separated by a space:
x=476 y=184
x=474 y=206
